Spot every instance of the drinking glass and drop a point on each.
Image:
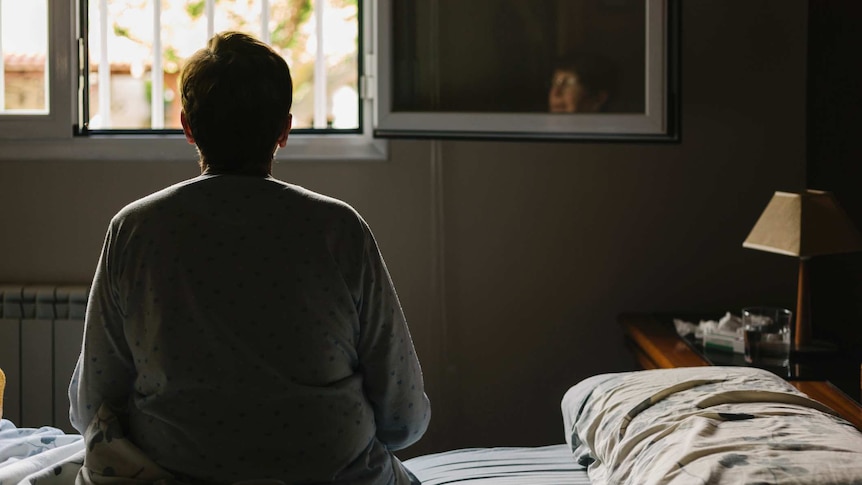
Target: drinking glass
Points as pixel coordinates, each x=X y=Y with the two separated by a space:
x=767 y=335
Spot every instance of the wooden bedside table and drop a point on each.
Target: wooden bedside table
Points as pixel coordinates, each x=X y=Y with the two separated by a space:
x=656 y=345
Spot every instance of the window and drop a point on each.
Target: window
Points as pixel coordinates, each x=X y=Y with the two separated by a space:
x=136 y=49
x=24 y=48
x=83 y=80
x=100 y=55
x=30 y=72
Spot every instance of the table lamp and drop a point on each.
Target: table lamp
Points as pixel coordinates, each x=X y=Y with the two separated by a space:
x=807 y=224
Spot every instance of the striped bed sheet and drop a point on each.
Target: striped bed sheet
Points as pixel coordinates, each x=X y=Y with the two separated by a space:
x=542 y=465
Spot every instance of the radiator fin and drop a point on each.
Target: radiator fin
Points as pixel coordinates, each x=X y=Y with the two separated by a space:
x=41 y=327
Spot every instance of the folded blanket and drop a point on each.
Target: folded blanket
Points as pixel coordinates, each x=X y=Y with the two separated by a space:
x=711 y=425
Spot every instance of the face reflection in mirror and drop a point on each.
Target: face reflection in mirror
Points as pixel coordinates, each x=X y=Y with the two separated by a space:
x=568 y=94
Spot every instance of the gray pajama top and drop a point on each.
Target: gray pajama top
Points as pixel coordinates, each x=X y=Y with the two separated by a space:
x=253 y=331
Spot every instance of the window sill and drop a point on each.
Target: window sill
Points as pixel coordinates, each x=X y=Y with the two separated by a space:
x=148 y=148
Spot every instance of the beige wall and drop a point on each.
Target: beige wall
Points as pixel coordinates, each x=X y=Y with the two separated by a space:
x=513 y=259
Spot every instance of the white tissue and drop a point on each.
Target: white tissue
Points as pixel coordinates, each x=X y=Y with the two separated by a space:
x=729 y=324
x=684 y=328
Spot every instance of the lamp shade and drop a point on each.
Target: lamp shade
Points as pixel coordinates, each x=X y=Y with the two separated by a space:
x=807 y=224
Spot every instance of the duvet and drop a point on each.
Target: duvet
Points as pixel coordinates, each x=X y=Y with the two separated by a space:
x=707 y=425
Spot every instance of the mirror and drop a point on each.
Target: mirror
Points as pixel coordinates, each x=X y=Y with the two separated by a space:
x=581 y=69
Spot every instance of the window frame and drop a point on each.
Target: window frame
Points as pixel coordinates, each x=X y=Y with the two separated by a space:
x=659 y=122
x=52 y=136
x=58 y=121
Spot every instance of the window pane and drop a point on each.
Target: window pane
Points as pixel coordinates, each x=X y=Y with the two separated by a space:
x=23 y=49
x=122 y=43
x=328 y=96
x=519 y=56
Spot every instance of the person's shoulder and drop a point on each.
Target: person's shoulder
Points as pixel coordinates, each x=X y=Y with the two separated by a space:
x=331 y=215
x=145 y=204
x=322 y=205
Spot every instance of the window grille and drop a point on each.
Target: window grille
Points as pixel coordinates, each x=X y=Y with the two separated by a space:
x=320 y=25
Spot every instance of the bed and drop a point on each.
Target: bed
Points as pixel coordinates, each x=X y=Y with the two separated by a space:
x=716 y=425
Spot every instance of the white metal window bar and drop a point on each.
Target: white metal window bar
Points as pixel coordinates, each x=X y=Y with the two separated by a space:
x=319 y=68
x=2 y=65
x=264 y=21
x=104 y=66
x=157 y=113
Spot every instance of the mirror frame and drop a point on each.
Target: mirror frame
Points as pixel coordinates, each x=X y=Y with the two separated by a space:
x=659 y=122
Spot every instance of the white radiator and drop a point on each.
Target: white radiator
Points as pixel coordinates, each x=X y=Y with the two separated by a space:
x=41 y=327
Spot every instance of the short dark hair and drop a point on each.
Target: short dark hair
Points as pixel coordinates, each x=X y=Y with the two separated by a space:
x=236 y=96
x=595 y=73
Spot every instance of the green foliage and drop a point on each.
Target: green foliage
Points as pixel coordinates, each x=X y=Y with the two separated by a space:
x=171 y=54
x=303 y=11
x=120 y=31
x=172 y=60
x=279 y=36
x=196 y=9
x=288 y=20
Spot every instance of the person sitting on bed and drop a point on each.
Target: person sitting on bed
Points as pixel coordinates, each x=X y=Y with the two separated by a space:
x=248 y=328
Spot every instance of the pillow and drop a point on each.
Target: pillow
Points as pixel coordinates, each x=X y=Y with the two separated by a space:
x=707 y=425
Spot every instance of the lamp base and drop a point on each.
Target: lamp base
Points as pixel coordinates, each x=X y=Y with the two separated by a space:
x=816 y=349
x=816 y=360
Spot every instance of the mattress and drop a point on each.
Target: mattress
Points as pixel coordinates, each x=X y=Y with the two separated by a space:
x=49 y=456
x=543 y=465
x=718 y=425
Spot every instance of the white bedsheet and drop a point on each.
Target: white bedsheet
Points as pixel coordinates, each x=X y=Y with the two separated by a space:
x=47 y=456
x=44 y=456
x=543 y=465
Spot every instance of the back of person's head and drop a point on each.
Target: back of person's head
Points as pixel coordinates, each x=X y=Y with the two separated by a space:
x=236 y=96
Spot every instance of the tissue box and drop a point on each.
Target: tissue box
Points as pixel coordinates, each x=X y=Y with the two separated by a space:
x=724 y=342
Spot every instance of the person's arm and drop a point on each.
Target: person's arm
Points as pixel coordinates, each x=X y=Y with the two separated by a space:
x=391 y=372
x=105 y=371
